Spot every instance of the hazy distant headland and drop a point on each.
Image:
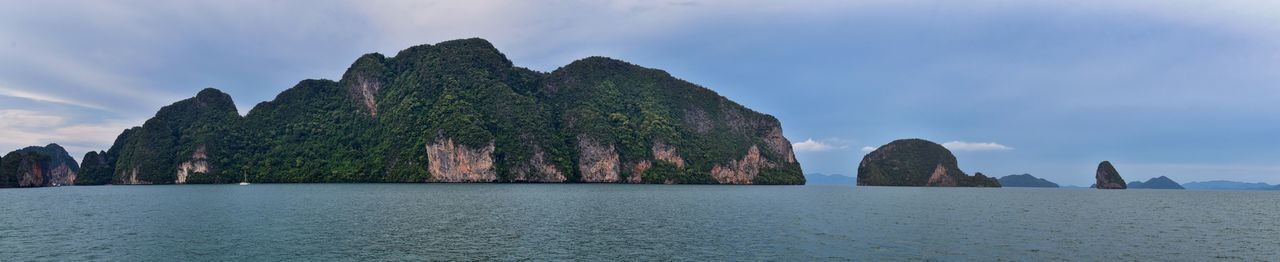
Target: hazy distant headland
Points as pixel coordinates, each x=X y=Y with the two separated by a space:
x=1025 y=180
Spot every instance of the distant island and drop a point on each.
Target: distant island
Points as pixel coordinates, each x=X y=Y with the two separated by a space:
x=1025 y=180
x=1160 y=182
x=916 y=162
x=457 y=111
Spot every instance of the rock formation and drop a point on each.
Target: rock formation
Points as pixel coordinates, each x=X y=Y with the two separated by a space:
x=916 y=162
x=1108 y=178
x=598 y=163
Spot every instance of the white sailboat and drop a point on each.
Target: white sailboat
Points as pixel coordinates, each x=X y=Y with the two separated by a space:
x=244 y=180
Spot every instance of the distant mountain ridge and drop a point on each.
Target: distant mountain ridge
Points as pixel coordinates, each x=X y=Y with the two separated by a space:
x=1230 y=185
x=834 y=179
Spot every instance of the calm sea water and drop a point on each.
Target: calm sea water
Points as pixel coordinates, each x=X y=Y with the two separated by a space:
x=631 y=222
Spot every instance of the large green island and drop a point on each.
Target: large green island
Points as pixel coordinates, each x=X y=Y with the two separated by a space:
x=458 y=111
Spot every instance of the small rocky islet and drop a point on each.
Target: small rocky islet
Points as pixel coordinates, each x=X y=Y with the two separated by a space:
x=1108 y=178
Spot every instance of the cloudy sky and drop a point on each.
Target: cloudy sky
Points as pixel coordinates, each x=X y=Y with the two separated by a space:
x=1185 y=89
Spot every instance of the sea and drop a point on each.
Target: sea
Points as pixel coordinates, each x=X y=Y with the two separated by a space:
x=607 y=222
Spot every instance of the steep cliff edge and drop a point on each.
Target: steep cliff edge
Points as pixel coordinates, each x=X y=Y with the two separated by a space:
x=916 y=162
x=460 y=111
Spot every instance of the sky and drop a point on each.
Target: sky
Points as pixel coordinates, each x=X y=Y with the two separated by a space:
x=1184 y=89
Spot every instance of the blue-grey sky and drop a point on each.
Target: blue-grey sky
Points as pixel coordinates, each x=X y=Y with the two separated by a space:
x=1185 y=89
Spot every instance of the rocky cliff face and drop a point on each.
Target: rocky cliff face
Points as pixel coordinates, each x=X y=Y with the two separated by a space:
x=449 y=162
x=37 y=166
x=364 y=80
x=916 y=162
x=741 y=171
x=460 y=111
x=597 y=162
x=1108 y=177
x=198 y=164
x=23 y=170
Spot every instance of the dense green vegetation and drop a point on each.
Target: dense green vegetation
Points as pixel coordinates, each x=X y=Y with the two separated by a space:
x=912 y=162
x=94 y=169
x=375 y=124
x=208 y=121
x=633 y=107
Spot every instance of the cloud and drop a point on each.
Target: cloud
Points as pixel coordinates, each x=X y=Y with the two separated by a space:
x=21 y=128
x=810 y=145
x=9 y=92
x=18 y=118
x=975 y=146
x=868 y=149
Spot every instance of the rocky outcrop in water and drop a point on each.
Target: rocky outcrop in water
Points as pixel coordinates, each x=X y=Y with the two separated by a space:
x=1108 y=177
x=916 y=162
x=37 y=166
